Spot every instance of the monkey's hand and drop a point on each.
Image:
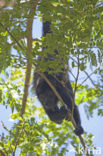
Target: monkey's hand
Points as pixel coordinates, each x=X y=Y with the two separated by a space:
x=79 y=130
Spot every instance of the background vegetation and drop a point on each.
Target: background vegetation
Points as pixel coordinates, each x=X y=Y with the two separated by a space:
x=78 y=36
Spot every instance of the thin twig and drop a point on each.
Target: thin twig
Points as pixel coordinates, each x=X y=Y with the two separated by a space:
x=72 y=74
x=18 y=137
x=14 y=42
x=88 y=76
x=76 y=80
x=11 y=35
x=2 y=124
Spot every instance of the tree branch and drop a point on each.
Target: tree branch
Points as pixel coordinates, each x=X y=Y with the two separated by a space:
x=28 y=68
x=69 y=112
x=29 y=58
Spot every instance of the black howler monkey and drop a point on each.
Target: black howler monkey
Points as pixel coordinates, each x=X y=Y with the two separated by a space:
x=47 y=97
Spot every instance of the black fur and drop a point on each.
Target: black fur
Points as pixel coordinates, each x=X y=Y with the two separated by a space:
x=49 y=100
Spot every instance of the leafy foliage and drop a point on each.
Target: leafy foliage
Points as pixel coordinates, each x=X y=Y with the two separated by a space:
x=78 y=36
